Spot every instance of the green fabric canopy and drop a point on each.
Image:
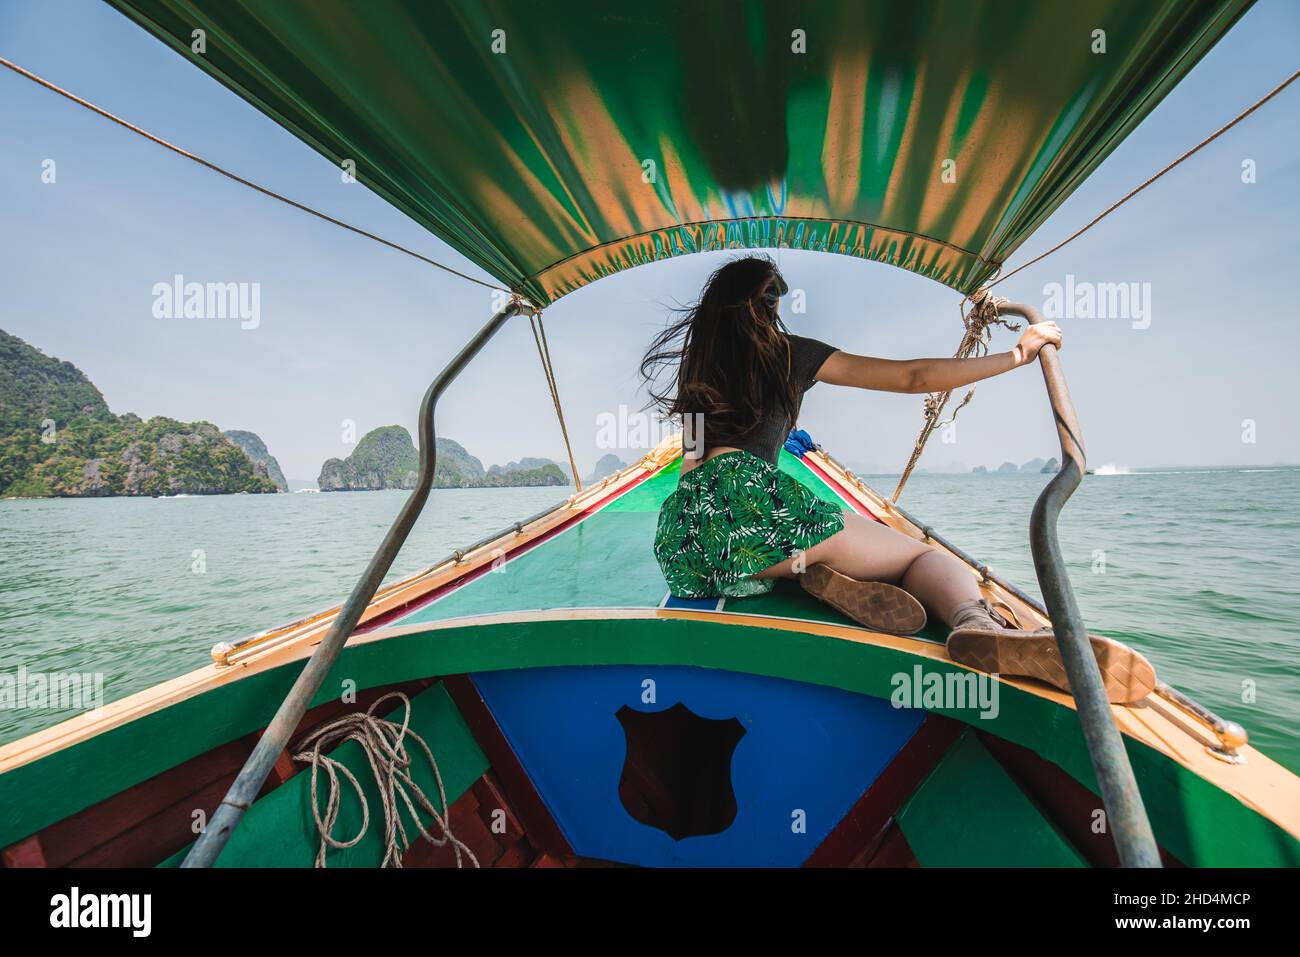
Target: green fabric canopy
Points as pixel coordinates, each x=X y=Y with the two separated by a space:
x=553 y=143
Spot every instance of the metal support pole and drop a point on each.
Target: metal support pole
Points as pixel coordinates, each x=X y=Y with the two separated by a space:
x=1125 y=813
x=252 y=776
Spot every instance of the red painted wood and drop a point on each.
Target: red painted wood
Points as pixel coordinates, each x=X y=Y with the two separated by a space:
x=490 y=801
x=469 y=829
x=25 y=853
x=158 y=837
x=153 y=820
x=154 y=800
x=517 y=855
x=471 y=822
x=839 y=489
x=872 y=848
x=515 y=785
x=894 y=851
x=863 y=828
x=284 y=768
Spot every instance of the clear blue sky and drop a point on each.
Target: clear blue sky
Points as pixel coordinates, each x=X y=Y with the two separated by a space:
x=353 y=331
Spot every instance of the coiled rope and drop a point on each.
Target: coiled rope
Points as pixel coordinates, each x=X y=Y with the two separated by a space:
x=384 y=744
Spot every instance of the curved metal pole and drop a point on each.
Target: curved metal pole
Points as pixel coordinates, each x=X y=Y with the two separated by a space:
x=1134 y=840
x=252 y=776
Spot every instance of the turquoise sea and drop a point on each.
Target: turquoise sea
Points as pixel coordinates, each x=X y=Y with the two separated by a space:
x=1200 y=569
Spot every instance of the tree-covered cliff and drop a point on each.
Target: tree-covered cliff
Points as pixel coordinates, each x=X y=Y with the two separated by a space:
x=256 y=450
x=386 y=458
x=58 y=437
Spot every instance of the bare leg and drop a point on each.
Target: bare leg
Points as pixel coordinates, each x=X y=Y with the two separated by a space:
x=869 y=551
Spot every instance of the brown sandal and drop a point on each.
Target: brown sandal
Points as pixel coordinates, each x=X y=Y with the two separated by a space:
x=983 y=640
x=877 y=605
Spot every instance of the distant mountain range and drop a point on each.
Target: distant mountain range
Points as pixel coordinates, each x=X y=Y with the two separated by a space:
x=58 y=437
x=1037 y=466
x=386 y=458
x=955 y=467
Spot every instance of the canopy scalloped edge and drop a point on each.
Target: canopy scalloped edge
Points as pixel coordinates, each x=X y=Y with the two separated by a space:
x=926 y=255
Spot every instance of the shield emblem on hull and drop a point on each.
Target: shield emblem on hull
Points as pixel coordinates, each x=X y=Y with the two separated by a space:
x=677 y=770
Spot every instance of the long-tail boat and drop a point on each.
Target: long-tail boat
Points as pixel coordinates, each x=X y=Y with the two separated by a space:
x=576 y=713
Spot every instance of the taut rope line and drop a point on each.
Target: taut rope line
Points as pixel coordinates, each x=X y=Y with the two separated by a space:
x=1151 y=179
x=544 y=353
x=384 y=744
x=236 y=177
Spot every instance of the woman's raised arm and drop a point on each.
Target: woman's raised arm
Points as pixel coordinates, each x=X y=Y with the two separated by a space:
x=934 y=375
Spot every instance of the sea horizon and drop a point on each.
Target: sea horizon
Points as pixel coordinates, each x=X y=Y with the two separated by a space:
x=1104 y=470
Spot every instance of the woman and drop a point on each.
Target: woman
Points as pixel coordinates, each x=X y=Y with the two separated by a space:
x=736 y=522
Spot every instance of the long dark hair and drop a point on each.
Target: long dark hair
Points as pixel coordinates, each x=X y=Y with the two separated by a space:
x=729 y=355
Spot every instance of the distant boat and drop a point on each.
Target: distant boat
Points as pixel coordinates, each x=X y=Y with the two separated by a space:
x=299 y=491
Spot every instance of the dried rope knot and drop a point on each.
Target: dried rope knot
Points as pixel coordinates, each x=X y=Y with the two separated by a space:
x=384 y=744
x=983 y=314
x=978 y=323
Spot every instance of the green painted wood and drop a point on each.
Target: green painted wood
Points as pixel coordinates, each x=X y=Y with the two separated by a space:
x=604 y=561
x=280 y=831
x=969 y=813
x=650 y=494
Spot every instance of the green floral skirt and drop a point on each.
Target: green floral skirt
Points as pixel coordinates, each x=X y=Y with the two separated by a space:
x=732 y=517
